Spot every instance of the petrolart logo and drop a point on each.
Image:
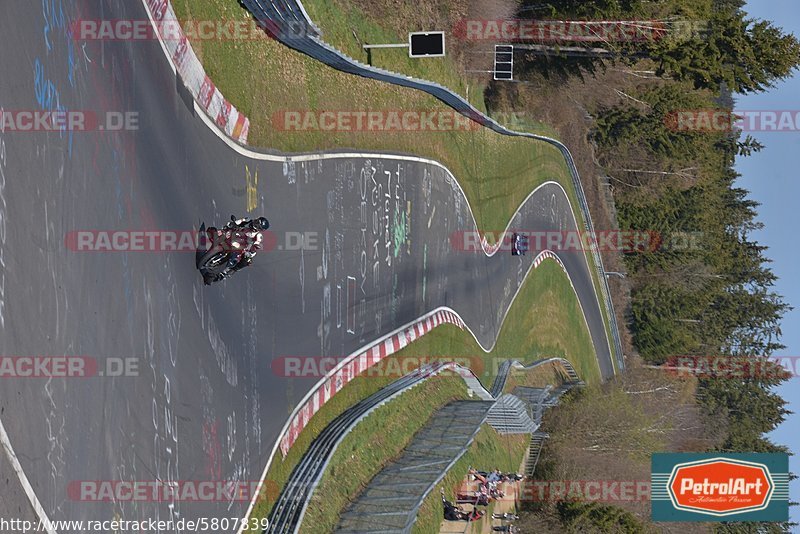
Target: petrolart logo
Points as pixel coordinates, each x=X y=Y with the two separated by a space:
x=720 y=487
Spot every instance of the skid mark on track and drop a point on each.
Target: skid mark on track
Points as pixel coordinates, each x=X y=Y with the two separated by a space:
x=225 y=362
x=165 y=459
x=212 y=447
x=252 y=428
x=3 y=228
x=56 y=424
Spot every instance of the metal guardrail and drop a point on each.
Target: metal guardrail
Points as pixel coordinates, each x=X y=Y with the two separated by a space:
x=289 y=23
x=288 y=511
x=502 y=376
x=391 y=501
x=534 y=451
x=382 y=513
x=505 y=368
x=510 y=415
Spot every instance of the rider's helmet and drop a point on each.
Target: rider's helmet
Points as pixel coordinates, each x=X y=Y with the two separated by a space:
x=261 y=223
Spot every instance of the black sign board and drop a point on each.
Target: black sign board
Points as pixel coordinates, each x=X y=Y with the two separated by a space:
x=426 y=44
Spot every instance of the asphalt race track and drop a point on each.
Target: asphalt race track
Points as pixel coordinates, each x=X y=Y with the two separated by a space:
x=206 y=404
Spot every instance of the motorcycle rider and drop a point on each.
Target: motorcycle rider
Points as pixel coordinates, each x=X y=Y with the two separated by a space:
x=249 y=232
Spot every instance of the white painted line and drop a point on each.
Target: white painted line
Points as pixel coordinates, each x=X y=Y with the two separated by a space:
x=23 y=480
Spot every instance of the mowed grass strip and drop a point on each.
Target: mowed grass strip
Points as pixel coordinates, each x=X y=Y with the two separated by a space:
x=349 y=24
x=545 y=321
x=265 y=79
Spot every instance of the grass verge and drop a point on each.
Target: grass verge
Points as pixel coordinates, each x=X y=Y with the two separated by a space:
x=264 y=79
x=347 y=25
x=544 y=321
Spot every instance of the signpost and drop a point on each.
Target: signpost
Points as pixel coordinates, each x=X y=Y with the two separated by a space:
x=503 y=62
x=420 y=44
x=426 y=44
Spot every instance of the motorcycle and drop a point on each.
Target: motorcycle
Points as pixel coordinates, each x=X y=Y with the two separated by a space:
x=225 y=249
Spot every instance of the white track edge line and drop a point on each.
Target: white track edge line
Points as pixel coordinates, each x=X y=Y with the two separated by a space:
x=23 y=480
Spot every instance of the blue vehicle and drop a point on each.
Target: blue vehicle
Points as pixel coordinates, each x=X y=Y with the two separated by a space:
x=519 y=244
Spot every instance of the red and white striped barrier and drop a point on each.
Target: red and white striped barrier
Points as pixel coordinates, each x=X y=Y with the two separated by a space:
x=357 y=365
x=194 y=77
x=548 y=255
x=371 y=355
x=491 y=248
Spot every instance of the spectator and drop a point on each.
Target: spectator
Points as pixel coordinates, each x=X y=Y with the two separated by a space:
x=478 y=475
x=455 y=513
